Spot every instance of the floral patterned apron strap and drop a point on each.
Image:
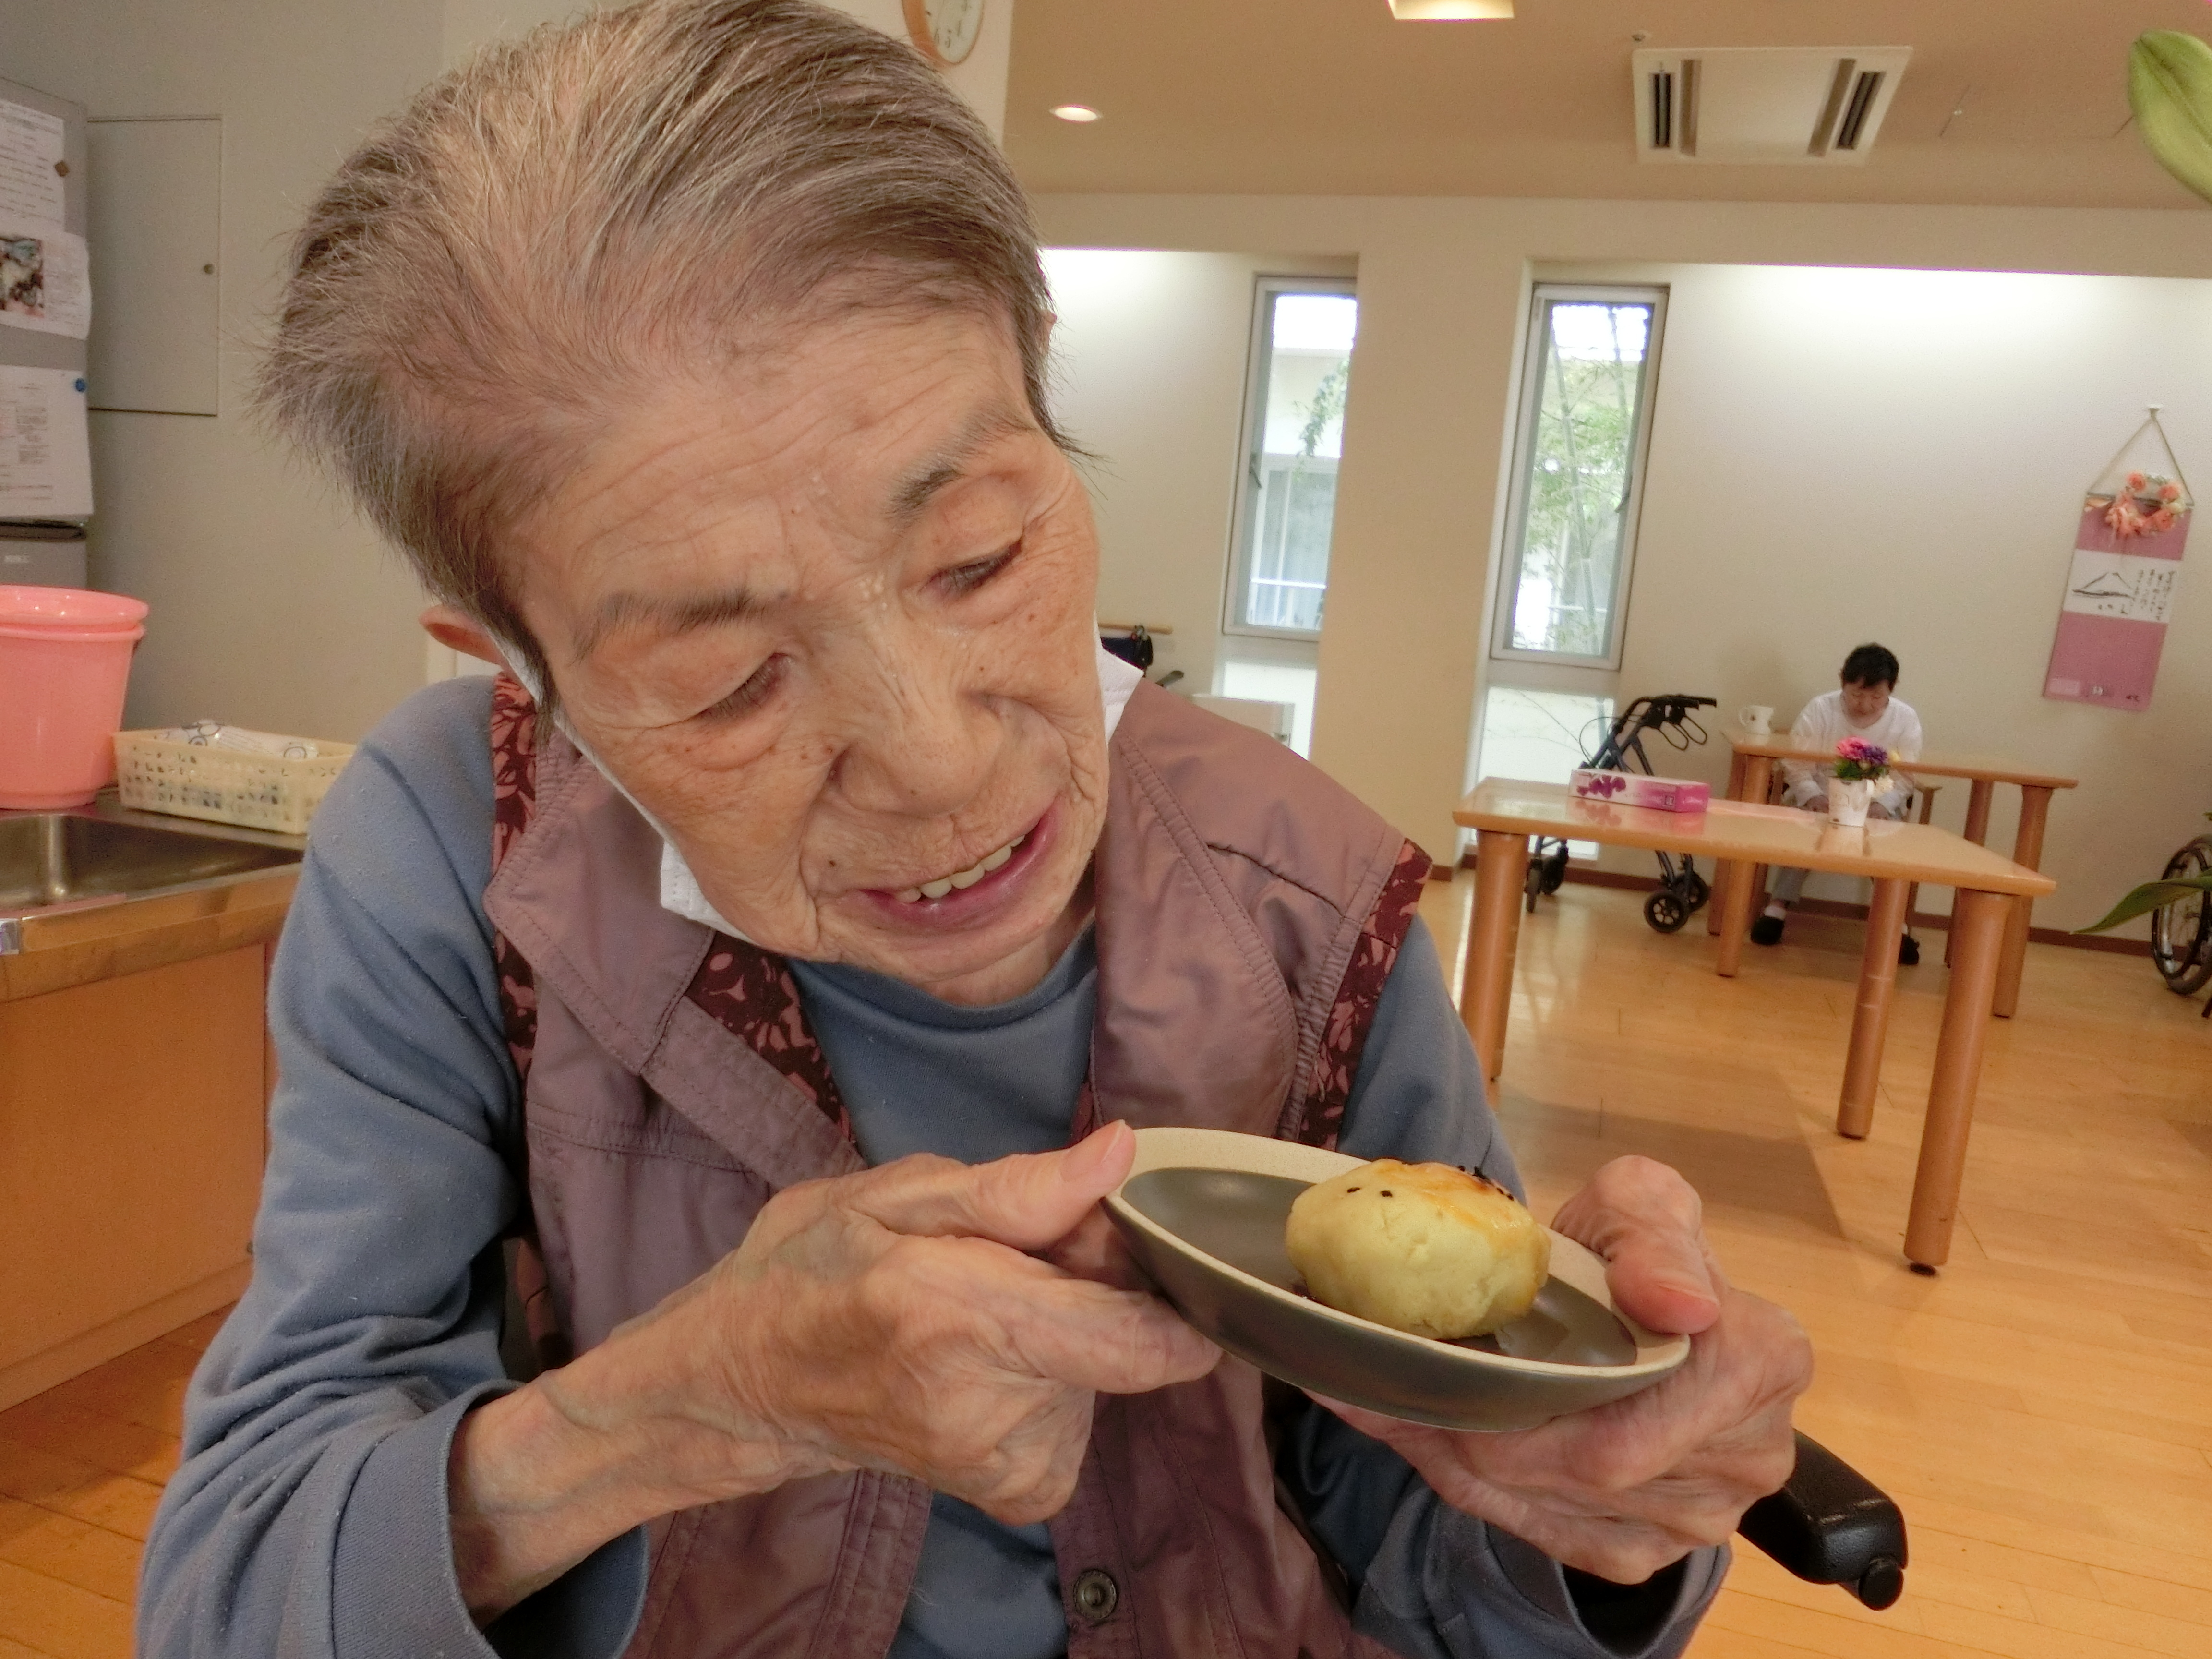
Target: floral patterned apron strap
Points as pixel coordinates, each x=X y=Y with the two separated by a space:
x=1358 y=993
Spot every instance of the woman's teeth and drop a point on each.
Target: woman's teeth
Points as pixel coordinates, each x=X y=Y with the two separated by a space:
x=960 y=878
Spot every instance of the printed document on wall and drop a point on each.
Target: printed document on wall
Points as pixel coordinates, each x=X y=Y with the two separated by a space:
x=45 y=451
x=30 y=150
x=44 y=283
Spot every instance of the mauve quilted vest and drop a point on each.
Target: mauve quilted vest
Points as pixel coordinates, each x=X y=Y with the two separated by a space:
x=1248 y=911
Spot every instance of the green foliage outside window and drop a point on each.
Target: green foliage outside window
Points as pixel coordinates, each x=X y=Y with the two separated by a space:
x=1577 y=485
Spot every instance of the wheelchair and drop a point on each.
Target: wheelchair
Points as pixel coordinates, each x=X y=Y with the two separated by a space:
x=2181 y=931
x=1682 y=891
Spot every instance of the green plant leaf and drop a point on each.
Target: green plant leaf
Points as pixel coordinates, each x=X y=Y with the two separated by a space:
x=2170 y=89
x=2151 y=896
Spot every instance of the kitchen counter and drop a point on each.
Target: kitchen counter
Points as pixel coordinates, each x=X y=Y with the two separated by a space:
x=46 y=947
x=135 y=1075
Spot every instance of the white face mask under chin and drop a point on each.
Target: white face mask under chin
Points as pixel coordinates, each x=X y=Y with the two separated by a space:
x=680 y=892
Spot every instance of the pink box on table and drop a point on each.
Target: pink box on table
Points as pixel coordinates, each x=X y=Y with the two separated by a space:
x=1634 y=789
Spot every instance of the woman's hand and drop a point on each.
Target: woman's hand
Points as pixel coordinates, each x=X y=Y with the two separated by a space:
x=900 y=1319
x=1626 y=1489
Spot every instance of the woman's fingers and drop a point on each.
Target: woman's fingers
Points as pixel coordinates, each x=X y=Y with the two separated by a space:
x=1648 y=1224
x=1027 y=1203
x=1108 y=1341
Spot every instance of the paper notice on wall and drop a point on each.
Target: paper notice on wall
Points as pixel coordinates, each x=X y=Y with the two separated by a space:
x=45 y=451
x=30 y=159
x=45 y=281
x=2124 y=584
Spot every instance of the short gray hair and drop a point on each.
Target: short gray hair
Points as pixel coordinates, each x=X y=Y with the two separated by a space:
x=570 y=215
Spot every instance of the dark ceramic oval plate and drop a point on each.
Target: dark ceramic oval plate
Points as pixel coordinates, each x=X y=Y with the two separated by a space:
x=1203 y=1211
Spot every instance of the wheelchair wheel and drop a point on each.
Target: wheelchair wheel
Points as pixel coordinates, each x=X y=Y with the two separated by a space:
x=1665 y=911
x=2181 y=933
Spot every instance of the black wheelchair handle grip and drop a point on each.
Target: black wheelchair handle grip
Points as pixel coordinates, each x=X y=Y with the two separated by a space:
x=1830 y=1525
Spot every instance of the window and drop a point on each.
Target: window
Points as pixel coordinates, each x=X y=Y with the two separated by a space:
x=1542 y=736
x=1578 y=473
x=1302 y=334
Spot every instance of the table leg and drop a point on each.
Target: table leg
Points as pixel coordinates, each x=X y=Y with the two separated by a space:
x=1501 y=865
x=1734 y=880
x=1870 y=1022
x=2026 y=849
x=1977 y=923
x=1977 y=811
x=1977 y=831
x=1912 y=893
x=1737 y=764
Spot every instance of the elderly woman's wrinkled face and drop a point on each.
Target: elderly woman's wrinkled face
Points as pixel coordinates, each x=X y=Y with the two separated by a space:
x=829 y=617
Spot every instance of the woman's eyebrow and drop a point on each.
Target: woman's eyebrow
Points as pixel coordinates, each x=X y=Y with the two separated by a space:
x=950 y=465
x=680 y=614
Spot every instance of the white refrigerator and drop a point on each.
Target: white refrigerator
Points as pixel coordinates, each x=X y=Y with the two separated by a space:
x=45 y=486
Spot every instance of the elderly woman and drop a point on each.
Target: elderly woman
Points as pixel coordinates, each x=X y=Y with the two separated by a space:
x=780 y=948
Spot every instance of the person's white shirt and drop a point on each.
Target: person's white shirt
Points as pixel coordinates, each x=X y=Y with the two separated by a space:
x=1823 y=724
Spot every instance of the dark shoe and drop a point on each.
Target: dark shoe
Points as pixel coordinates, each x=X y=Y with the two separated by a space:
x=1908 y=952
x=1766 y=930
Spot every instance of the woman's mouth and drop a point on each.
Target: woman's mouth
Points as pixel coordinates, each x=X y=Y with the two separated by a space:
x=961 y=880
x=968 y=897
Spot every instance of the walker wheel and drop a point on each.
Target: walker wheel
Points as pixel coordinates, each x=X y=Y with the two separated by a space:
x=1665 y=911
x=1701 y=890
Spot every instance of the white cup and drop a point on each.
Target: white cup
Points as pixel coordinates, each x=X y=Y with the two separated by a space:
x=1756 y=719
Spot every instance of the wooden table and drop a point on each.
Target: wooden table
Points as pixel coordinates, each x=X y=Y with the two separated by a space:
x=1505 y=813
x=1750 y=771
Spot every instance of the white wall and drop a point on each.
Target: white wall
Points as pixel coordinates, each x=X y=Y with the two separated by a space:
x=1149 y=358
x=1845 y=455
x=273 y=603
x=1444 y=289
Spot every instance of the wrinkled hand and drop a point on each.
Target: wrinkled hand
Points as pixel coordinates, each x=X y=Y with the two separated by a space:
x=950 y=1322
x=1627 y=1488
x=1876 y=810
x=901 y=1319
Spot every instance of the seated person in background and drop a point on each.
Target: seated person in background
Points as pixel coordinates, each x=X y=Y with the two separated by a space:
x=1862 y=706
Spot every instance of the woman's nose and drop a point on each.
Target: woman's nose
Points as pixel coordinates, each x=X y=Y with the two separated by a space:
x=921 y=742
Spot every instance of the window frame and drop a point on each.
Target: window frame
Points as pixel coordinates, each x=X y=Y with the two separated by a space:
x=1251 y=431
x=1505 y=596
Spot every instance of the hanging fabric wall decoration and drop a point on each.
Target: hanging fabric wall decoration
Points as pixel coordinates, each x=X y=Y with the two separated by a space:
x=2127 y=556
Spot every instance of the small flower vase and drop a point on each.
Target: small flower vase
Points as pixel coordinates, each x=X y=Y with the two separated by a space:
x=1848 y=798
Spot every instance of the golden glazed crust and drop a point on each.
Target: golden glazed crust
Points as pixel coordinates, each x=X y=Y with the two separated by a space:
x=1423 y=1247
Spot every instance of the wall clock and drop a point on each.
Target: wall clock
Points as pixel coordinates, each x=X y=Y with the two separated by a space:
x=944 y=30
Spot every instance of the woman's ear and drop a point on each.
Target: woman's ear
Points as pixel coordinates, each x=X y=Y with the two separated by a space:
x=455 y=627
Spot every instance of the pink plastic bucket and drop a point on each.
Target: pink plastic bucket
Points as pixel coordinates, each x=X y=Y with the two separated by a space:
x=65 y=666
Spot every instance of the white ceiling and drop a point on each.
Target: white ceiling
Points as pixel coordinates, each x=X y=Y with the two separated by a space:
x=1335 y=97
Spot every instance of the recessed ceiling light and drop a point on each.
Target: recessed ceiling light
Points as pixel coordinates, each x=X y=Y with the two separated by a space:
x=1076 y=112
x=1448 y=11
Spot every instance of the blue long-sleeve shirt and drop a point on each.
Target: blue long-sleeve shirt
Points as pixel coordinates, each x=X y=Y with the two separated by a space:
x=309 y=1516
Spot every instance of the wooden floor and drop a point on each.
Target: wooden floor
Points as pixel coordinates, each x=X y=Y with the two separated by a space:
x=2043 y=1410
x=80 y=1469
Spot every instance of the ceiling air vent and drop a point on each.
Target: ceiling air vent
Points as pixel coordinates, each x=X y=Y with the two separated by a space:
x=1765 y=105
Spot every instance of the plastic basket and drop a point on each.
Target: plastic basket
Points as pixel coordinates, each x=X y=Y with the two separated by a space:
x=260 y=792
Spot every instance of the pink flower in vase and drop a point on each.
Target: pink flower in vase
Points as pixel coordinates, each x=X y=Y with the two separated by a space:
x=1856 y=757
x=2161 y=520
x=2169 y=492
x=2137 y=482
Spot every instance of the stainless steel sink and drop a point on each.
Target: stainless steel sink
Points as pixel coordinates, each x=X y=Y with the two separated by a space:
x=50 y=861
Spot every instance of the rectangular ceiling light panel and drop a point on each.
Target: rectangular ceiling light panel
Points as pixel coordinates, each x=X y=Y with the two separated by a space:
x=1772 y=106
x=1448 y=11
